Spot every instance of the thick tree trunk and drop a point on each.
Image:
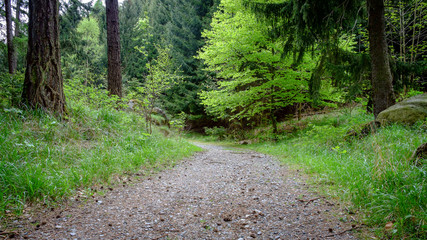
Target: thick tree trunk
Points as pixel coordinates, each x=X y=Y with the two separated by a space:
x=43 y=85
x=382 y=87
x=11 y=54
x=113 y=43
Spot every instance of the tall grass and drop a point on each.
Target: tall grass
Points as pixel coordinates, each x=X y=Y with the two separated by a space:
x=374 y=173
x=43 y=159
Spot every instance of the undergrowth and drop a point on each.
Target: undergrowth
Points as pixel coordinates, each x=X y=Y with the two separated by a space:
x=44 y=159
x=374 y=173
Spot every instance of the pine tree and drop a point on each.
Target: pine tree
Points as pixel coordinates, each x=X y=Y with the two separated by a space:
x=113 y=43
x=9 y=35
x=134 y=63
x=311 y=23
x=43 y=85
x=176 y=24
x=18 y=18
x=382 y=87
x=73 y=12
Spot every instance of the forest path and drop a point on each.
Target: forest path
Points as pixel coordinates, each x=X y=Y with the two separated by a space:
x=216 y=194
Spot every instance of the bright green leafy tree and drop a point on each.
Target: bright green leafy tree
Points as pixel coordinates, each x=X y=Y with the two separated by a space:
x=310 y=23
x=254 y=79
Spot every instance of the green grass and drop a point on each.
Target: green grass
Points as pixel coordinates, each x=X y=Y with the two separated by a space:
x=373 y=173
x=45 y=160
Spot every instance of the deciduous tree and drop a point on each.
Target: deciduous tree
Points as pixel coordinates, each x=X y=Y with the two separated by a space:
x=254 y=80
x=161 y=76
x=310 y=23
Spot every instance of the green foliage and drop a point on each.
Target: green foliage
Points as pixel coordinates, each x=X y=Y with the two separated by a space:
x=304 y=24
x=72 y=12
x=85 y=61
x=178 y=123
x=407 y=39
x=219 y=132
x=374 y=173
x=254 y=78
x=137 y=34
x=173 y=24
x=10 y=89
x=161 y=77
x=46 y=160
x=3 y=58
x=82 y=94
x=20 y=44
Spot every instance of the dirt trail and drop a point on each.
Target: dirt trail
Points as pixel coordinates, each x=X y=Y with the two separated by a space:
x=216 y=194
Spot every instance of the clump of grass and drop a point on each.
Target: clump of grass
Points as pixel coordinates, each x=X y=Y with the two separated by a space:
x=44 y=159
x=374 y=173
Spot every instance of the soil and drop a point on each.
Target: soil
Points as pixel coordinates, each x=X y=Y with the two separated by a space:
x=216 y=194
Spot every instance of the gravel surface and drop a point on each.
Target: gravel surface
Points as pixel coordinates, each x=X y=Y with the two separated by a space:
x=216 y=194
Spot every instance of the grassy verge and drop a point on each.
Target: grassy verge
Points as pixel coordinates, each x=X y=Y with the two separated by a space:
x=45 y=160
x=374 y=172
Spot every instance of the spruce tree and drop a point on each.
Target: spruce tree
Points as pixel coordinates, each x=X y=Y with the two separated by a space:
x=113 y=43
x=311 y=23
x=9 y=35
x=43 y=84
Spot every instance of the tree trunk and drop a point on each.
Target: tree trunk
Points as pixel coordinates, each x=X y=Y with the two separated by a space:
x=43 y=84
x=18 y=18
x=113 y=43
x=11 y=54
x=382 y=87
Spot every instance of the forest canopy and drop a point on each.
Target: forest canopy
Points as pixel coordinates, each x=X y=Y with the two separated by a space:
x=245 y=62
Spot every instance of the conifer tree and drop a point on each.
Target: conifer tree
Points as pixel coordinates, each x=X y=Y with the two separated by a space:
x=9 y=35
x=382 y=87
x=113 y=43
x=43 y=84
x=312 y=23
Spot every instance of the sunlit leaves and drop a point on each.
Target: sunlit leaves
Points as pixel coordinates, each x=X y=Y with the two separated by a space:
x=254 y=78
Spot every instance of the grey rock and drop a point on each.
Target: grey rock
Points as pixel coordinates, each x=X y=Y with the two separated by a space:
x=408 y=111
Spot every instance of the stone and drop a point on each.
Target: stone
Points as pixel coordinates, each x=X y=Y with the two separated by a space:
x=407 y=112
x=420 y=152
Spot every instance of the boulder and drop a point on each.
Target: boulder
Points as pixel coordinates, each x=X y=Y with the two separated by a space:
x=407 y=112
x=419 y=153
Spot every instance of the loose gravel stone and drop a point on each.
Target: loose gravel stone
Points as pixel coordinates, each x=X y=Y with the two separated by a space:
x=216 y=194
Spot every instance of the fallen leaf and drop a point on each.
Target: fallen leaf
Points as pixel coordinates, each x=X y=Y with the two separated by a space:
x=389 y=226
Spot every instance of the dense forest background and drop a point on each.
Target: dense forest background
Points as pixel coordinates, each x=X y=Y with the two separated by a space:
x=335 y=71
x=247 y=71
x=145 y=27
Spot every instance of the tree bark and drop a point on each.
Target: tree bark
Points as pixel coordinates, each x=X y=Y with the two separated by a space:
x=18 y=18
x=11 y=54
x=113 y=43
x=43 y=84
x=382 y=86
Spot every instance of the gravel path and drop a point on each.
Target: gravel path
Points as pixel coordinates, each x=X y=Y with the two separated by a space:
x=216 y=194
